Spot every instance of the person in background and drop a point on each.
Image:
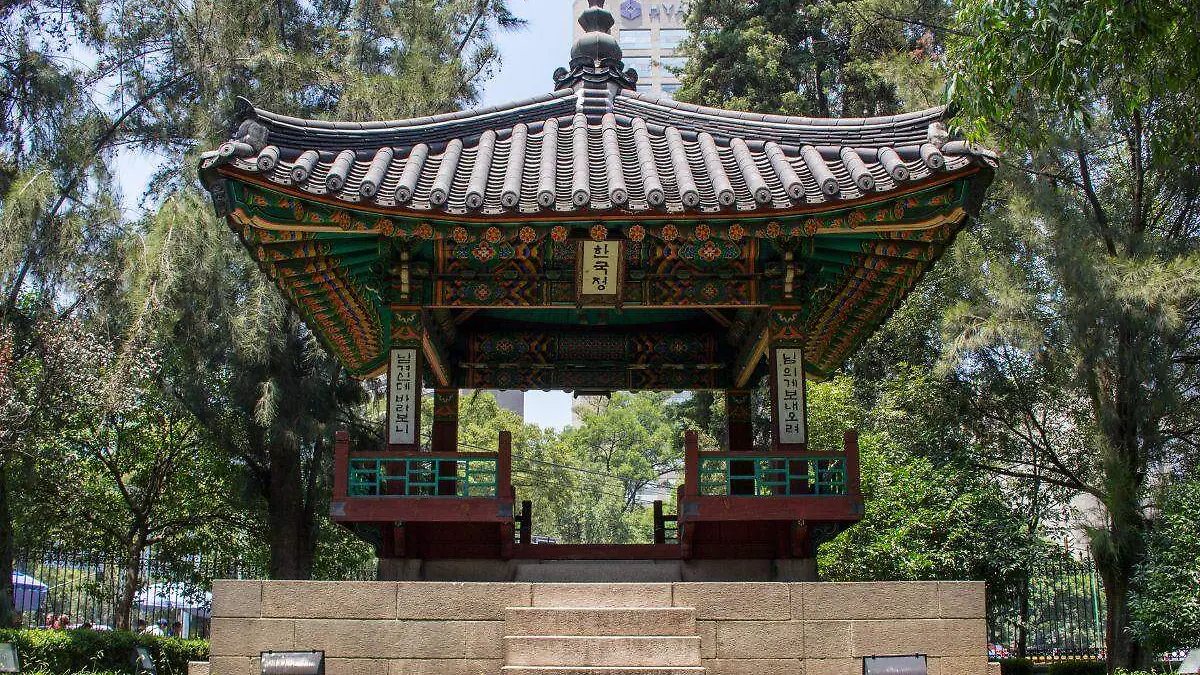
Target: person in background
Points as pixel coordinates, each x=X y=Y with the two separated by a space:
x=159 y=628
x=177 y=629
x=51 y=620
x=64 y=622
x=141 y=626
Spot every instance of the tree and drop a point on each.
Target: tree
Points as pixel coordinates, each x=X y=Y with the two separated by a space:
x=925 y=519
x=141 y=475
x=630 y=436
x=1092 y=276
x=244 y=363
x=805 y=58
x=1165 y=606
x=57 y=214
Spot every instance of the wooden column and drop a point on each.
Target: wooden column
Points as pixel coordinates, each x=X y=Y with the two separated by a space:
x=785 y=354
x=445 y=421
x=737 y=413
x=691 y=464
x=341 y=464
x=853 y=482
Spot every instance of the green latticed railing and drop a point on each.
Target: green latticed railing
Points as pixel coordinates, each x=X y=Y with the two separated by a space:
x=423 y=477
x=760 y=476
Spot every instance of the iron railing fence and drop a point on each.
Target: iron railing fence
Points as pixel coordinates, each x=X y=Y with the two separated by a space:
x=1063 y=617
x=88 y=587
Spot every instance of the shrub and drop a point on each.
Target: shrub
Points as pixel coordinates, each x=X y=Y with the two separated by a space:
x=1016 y=667
x=58 y=652
x=1078 y=668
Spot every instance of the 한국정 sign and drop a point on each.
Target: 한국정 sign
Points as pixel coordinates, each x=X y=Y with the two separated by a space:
x=599 y=279
x=789 y=393
x=402 y=397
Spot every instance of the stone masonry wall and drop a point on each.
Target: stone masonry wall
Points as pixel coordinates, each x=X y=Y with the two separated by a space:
x=455 y=628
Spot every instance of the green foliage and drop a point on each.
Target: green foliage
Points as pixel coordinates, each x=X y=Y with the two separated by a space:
x=1165 y=605
x=1078 y=668
x=923 y=520
x=74 y=651
x=1041 y=68
x=1016 y=667
x=810 y=58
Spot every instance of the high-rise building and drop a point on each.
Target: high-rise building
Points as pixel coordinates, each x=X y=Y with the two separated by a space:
x=649 y=34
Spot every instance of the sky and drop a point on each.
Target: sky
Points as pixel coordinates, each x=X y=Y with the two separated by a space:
x=530 y=57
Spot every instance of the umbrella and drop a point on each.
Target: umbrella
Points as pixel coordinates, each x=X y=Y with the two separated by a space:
x=174 y=596
x=28 y=592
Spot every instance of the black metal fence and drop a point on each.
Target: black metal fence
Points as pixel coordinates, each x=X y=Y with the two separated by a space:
x=88 y=588
x=1061 y=616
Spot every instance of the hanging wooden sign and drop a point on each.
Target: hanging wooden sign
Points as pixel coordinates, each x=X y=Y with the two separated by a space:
x=404 y=403
x=599 y=273
x=788 y=366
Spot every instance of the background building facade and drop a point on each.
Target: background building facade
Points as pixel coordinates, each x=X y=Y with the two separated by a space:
x=649 y=34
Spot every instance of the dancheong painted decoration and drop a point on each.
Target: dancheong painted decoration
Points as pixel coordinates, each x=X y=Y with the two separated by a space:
x=596 y=239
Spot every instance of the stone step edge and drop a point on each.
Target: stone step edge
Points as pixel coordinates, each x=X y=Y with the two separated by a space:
x=605 y=669
x=596 y=608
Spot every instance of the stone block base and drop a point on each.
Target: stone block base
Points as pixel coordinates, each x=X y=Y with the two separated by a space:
x=723 y=628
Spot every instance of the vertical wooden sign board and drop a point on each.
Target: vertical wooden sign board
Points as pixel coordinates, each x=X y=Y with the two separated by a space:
x=599 y=273
x=787 y=377
x=404 y=403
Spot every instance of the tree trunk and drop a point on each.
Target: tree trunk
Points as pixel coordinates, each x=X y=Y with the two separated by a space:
x=1123 y=650
x=1022 y=646
x=7 y=609
x=131 y=581
x=289 y=519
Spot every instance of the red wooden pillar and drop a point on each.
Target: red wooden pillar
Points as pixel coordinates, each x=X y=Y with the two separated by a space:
x=504 y=466
x=737 y=413
x=444 y=437
x=850 y=444
x=691 y=464
x=445 y=421
x=341 y=464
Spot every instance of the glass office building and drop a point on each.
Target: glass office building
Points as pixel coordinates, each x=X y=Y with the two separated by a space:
x=649 y=34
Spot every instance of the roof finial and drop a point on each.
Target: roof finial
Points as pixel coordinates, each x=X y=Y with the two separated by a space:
x=596 y=55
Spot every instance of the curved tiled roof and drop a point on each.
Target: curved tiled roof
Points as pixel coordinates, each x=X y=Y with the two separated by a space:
x=631 y=153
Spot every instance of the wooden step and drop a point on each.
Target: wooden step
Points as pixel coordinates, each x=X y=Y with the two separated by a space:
x=602 y=650
x=600 y=621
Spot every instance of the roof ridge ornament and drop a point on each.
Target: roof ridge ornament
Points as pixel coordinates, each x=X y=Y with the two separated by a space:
x=596 y=56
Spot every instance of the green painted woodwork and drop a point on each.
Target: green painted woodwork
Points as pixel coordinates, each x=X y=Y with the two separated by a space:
x=851 y=265
x=423 y=477
x=766 y=476
x=630 y=316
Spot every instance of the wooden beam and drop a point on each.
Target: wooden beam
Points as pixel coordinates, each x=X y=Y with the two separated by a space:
x=750 y=356
x=717 y=316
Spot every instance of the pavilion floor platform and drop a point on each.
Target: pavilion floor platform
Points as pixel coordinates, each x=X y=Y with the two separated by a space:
x=635 y=568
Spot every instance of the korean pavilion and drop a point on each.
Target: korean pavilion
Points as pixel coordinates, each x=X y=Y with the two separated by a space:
x=596 y=239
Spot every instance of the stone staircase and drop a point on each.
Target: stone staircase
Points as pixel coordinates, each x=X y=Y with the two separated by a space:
x=604 y=640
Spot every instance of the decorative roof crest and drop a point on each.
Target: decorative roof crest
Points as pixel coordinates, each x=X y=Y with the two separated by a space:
x=596 y=56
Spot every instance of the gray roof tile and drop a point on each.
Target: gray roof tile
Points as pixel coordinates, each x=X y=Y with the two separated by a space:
x=642 y=154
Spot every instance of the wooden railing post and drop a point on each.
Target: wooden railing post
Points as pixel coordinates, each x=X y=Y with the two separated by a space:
x=691 y=464
x=504 y=466
x=850 y=443
x=526 y=520
x=341 y=464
